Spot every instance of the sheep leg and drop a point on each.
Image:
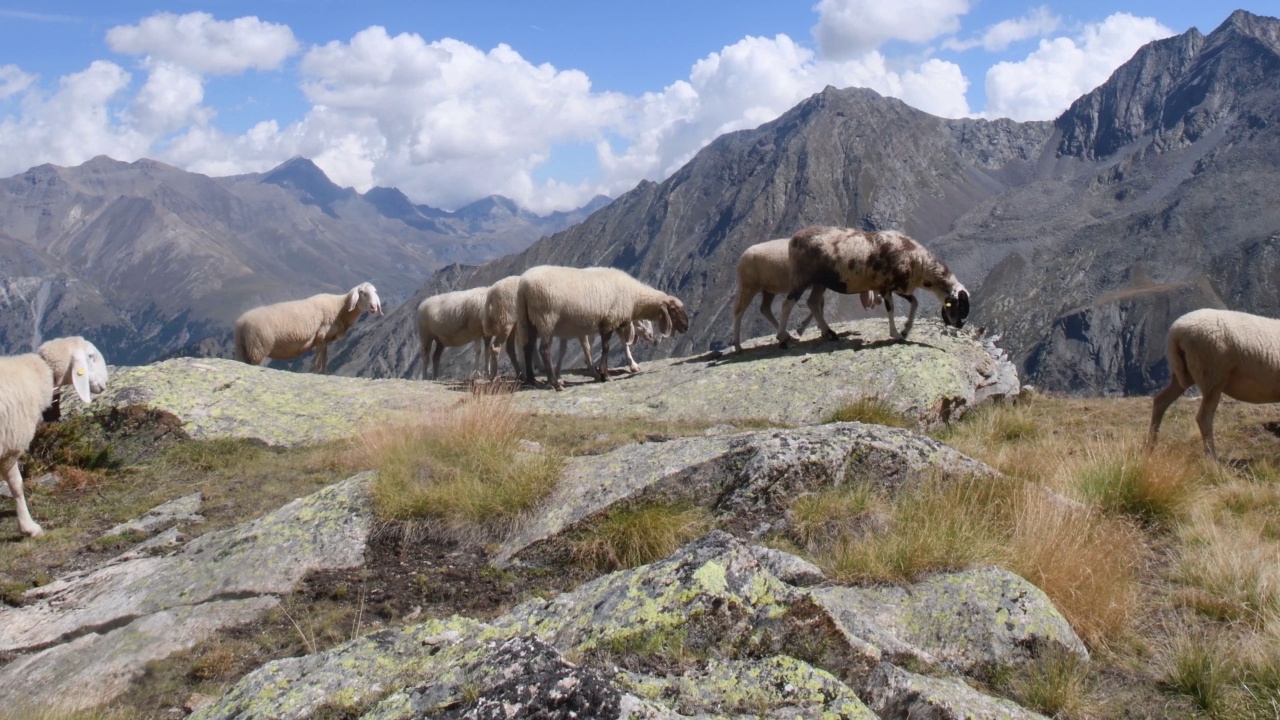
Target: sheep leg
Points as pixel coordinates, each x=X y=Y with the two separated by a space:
x=493 y=351
x=564 y=347
x=435 y=359
x=766 y=308
x=321 y=361
x=911 y=314
x=783 y=337
x=740 y=306
x=530 y=343
x=632 y=365
x=28 y=526
x=1204 y=418
x=511 y=353
x=888 y=308
x=585 y=341
x=480 y=344
x=426 y=356
x=553 y=374
x=1159 y=404
x=602 y=372
x=817 y=303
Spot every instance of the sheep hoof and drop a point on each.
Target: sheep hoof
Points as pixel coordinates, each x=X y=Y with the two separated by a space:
x=558 y=385
x=782 y=343
x=633 y=369
x=34 y=532
x=830 y=335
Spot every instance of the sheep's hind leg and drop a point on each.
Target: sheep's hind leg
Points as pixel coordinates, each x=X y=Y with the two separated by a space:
x=888 y=308
x=1204 y=418
x=28 y=526
x=788 y=304
x=1159 y=405
x=740 y=306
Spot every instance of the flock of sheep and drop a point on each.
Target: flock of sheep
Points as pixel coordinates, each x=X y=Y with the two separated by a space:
x=1220 y=351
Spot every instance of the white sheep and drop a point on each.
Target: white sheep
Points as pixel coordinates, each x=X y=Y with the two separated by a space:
x=1219 y=351
x=566 y=302
x=449 y=320
x=499 y=322
x=851 y=261
x=286 y=330
x=765 y=268
x=27 y=385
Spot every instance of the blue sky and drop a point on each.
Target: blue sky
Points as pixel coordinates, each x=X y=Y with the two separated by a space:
x=548 y=103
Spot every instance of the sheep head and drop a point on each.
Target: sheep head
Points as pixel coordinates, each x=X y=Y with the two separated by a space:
x=674 y=317
x=955 y=308
x=76 y=362
x=365 y=297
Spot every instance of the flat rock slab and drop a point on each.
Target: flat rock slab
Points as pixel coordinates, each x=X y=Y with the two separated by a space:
x=937 y=375
x=897 y=693
x=180 y=510
x=218 y=398
x=966 y=622
x=747 y=479
x=116 y=618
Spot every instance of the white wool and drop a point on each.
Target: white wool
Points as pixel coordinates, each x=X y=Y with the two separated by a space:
x=500 y=322
x=27 y=384
x=286 y=330
x=449 y=320
x=561 y=302
x=1222 y=352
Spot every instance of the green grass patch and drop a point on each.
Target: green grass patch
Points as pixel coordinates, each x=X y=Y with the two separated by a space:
x=1155 y=488
x=632 y=536
x=1057 y=684
x=873 y=410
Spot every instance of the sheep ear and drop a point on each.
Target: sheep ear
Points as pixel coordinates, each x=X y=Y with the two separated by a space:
x=80 y=375
x=353 y=298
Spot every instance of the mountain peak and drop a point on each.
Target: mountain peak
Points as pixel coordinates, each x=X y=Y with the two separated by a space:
x=308 y=182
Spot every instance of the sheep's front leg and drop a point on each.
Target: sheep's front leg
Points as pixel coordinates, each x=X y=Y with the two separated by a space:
x=435 y=359
x=602 y=372
x=322 y=356
x=817 y=305
x=479 y=353
x=911 y=315
x=585 y=342
x=28 y=526
x=788 y=305
x=632 y=365
x=888 y=308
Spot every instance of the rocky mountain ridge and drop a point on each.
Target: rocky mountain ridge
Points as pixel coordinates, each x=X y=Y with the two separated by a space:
x=1080 y=238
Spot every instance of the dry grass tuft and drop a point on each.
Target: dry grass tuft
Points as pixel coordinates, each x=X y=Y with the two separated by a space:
x=1086 y=562
x=1228 y=573
x=462 y=471
x=1058 y=685
x=635 y=536
x=1153 y=487
x=873 y=410
x=822 y=519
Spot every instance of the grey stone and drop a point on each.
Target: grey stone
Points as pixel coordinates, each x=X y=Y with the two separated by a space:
x=896 y=694
x=180 y=510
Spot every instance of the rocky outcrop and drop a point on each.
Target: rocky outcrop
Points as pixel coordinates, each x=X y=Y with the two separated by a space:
x=938 y=376
x=745 y=479
x=84 y=637
x=707 y=631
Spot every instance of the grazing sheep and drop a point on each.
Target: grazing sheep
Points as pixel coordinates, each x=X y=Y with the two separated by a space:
x=1221 y=352
x=286 y=330
x=449 y=320
x=27 y=384
x=571 y=302
x=851 y=261
x=499 y=323
x=765 y=268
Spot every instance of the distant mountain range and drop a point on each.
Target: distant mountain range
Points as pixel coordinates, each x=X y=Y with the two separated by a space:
x=149 y=260
x=1081 y=238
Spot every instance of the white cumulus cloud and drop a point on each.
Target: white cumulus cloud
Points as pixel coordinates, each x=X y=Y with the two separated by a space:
x=850 y=28
x=1062 y=69
x=200 y=43
x=13 y=80
x=1037 y=22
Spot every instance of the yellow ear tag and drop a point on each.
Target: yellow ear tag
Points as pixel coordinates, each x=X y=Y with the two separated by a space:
x=948 y=303
x=79 y=371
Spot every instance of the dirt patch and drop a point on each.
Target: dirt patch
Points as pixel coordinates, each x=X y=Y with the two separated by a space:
x=409 y=574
